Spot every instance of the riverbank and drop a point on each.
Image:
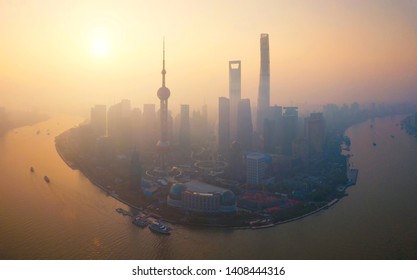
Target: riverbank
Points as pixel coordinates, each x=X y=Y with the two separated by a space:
x=107 y=190
x=177 y=217
x=69 y=217
x=15 y=119
x=410 y=124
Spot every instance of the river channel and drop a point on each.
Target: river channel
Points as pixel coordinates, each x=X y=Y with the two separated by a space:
x=70 y=218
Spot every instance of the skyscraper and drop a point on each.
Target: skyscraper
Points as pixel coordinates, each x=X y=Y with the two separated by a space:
x=163 y=143
x=272 y=135
x=316 y=133
x=99 y=120
x=255 y=168
x=290 y=129
x=234 y=95
x=224 y=126
x=244 y=125
x=149 y=114
x=118 y=119
x=184 y=132
x=264 y=84
x=135 y=126
x=150 y=125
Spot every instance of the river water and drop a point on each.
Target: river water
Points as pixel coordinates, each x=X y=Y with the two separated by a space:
x=70 y=218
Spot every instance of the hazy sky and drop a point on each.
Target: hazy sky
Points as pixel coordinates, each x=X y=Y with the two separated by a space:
x=80 y=53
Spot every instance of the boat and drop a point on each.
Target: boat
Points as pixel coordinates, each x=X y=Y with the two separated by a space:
x=124 y=212
x=374 y=144
x=159 y=227
x=32 y=169
x=140 y=222
x=46 y=179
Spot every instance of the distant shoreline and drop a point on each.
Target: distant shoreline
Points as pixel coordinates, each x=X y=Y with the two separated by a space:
x=15 y=120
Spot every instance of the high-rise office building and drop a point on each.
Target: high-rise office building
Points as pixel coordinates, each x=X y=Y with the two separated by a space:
x=289 y=129
x=272 y=135
x=99 y=120
x=234 y=95
x=264 y=84
x=149 y=113
x=184 y=131
x=149 y=124
x=244 y=125
x=163 y=144
x=224 y=127
x=236 y=168
x=316 y=133
x=170 y=127
x=149 y=119
x=118 y=117
x=199 y=126
x=300 y=149
x=255 y=168
x=136 y=126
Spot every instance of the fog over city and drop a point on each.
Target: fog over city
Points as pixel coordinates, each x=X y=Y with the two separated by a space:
x=208 y=130
x=67 y=56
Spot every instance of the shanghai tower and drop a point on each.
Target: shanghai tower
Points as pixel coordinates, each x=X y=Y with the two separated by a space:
x=264 y=84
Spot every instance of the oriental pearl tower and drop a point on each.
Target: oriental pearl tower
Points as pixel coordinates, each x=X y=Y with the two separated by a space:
x=163 y=145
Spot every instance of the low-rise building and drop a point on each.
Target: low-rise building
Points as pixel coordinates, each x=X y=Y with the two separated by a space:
x=201 y=197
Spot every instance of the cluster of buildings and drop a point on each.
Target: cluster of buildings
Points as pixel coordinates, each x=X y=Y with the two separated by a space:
x=276 y=135
x=121 y=127
x=249 y=149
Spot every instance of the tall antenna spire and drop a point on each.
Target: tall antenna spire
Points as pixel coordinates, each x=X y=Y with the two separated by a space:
x=163 y=63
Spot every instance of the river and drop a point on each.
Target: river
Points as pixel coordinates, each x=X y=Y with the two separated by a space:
x=70 y=218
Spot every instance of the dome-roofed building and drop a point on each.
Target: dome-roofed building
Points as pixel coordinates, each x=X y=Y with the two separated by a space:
x=201 y=197
x=228 y=198
x=176 y=190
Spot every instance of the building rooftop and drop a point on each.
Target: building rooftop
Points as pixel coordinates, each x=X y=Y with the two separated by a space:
x=255 y=155
x=200 y=187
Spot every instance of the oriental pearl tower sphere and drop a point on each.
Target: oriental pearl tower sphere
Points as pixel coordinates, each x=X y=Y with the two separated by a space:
x=163 y=144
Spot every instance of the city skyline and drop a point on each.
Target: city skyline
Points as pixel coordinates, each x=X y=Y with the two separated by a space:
x=320 y=53
x=297 y=119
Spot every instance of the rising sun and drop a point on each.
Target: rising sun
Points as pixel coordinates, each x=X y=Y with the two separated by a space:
x=100 y=44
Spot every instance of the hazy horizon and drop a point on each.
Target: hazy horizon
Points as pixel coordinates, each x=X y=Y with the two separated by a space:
x=68 y=56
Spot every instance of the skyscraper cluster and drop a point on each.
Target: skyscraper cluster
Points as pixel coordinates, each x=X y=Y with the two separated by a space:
x=235 y=113
x=276 y=130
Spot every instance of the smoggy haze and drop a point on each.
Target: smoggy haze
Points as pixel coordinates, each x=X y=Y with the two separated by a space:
x=57 y=54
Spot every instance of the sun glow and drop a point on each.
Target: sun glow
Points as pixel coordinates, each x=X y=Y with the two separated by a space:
x=100 y=45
